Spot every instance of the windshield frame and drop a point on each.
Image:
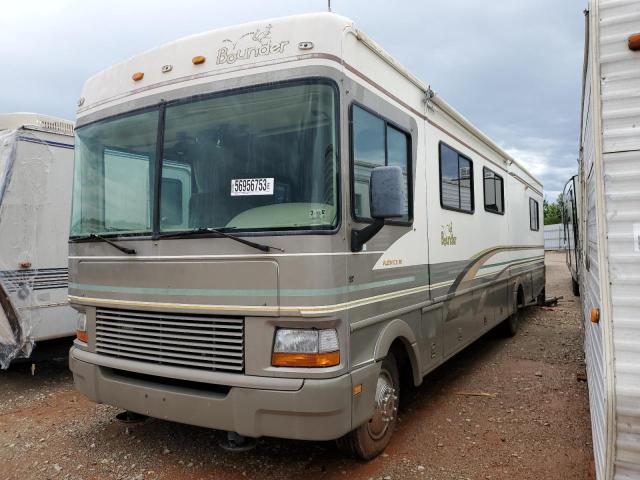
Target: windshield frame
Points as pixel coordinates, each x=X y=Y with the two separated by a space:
x=157 y=234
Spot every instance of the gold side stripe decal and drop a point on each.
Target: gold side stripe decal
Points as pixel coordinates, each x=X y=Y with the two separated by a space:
x=299 y=310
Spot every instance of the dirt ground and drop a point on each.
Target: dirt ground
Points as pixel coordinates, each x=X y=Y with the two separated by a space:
x=533 y=425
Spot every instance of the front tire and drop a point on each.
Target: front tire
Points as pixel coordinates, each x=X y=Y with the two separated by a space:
x=370 y=439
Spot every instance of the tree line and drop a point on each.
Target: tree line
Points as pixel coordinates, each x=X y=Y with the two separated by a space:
x=553 y=211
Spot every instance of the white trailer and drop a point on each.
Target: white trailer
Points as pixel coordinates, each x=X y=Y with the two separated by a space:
x=36 y=177
x=610 y=233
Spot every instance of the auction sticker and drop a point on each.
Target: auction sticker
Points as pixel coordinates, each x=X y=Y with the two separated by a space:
x=251 y=186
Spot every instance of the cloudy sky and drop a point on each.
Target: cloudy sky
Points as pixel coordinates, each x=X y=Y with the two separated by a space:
x=512 y=67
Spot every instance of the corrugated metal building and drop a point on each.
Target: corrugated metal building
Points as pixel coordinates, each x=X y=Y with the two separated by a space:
x=610 y=238
x=554 y=237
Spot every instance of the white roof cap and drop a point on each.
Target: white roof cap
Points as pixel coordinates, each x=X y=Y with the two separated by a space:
x=35 y=121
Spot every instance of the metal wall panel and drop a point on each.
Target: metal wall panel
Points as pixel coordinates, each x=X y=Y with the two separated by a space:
x=620 y=90
x=590 y=279
x=619 y=74
x=554 y=237
x=610 y=177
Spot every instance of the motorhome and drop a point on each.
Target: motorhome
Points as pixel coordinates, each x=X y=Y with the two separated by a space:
x=36 y=177
x=570 y=224
x=609 y=215
x=278 y=245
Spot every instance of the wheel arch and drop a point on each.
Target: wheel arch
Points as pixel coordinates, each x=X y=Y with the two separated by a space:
x=398 y=335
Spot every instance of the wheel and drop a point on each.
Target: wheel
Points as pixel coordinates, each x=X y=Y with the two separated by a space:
x=369 y=440
x=575 y=286
x=509 y=327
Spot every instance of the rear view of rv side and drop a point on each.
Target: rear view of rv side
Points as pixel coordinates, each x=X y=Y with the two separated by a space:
x=36 y=171
x=609 y=252
x=290 y=229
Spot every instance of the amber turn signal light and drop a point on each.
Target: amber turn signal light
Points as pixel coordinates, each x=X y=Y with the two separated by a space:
x=329 y=359
x=595 y=315
x=634 y=42
x=197 y=60
x=82 y=336
x=137 y=76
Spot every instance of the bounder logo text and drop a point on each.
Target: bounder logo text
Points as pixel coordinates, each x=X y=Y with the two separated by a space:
x=447 y=238
x=257 y=43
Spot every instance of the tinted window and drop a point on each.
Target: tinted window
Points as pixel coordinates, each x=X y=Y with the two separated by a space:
x=375 y=143
x=534 y=215
x=258 y=159
x=113 y=175
x=465 y=169
x=456 y=180
x=397 y=151
x=368 y=153
x=493 y=192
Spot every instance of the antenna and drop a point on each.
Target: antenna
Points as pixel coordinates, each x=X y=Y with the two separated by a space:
x=328 y=5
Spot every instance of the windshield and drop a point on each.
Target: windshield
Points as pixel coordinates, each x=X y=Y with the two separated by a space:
x=258 y=159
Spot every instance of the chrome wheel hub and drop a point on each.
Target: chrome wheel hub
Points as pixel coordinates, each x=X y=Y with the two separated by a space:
x=386 y=406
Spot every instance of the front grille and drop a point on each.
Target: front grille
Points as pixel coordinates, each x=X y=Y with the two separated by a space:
x=183 y=340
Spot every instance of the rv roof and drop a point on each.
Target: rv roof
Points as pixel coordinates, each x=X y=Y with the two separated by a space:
x=35 y=121
x=229 y=49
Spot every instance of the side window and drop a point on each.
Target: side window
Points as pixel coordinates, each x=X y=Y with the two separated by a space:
x=534 y=215
x=493 y=191
x=456 y=180
x=376 y=143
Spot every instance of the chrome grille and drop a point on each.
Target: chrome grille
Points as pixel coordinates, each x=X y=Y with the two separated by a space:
x=184 y=340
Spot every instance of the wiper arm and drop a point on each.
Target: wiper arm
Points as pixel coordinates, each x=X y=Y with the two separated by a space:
x=259 y=246
x=93 y=236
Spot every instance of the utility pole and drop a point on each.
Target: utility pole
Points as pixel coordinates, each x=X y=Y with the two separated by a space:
x=328 y=5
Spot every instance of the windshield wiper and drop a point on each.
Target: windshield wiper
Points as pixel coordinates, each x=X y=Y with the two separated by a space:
x=195 y=231
x=93 y=236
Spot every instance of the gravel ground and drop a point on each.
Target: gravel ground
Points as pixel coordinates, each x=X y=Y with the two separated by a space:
x=533 y=422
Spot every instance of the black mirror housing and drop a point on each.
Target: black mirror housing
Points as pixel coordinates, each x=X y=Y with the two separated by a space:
x=385 y=192
x=386 y=199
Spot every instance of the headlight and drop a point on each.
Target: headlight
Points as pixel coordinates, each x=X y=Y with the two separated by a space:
x=294 y=347
x=81 y=327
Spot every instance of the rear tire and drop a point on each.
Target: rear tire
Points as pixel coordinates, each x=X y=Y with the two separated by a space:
x=370 y=439
x=509 y=327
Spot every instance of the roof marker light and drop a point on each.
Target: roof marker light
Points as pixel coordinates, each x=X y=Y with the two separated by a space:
x=198 y=59
x=634 y=42
x=137 y=76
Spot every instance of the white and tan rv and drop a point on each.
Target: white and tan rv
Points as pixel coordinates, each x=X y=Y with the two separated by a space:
x=276 y=228
x=609 y=233
x=36 y=172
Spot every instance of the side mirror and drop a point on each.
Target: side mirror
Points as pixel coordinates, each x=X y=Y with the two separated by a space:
x=386 y=199
x=386 y=195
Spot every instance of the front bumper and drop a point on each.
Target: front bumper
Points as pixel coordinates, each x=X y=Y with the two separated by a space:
x=316 y=410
